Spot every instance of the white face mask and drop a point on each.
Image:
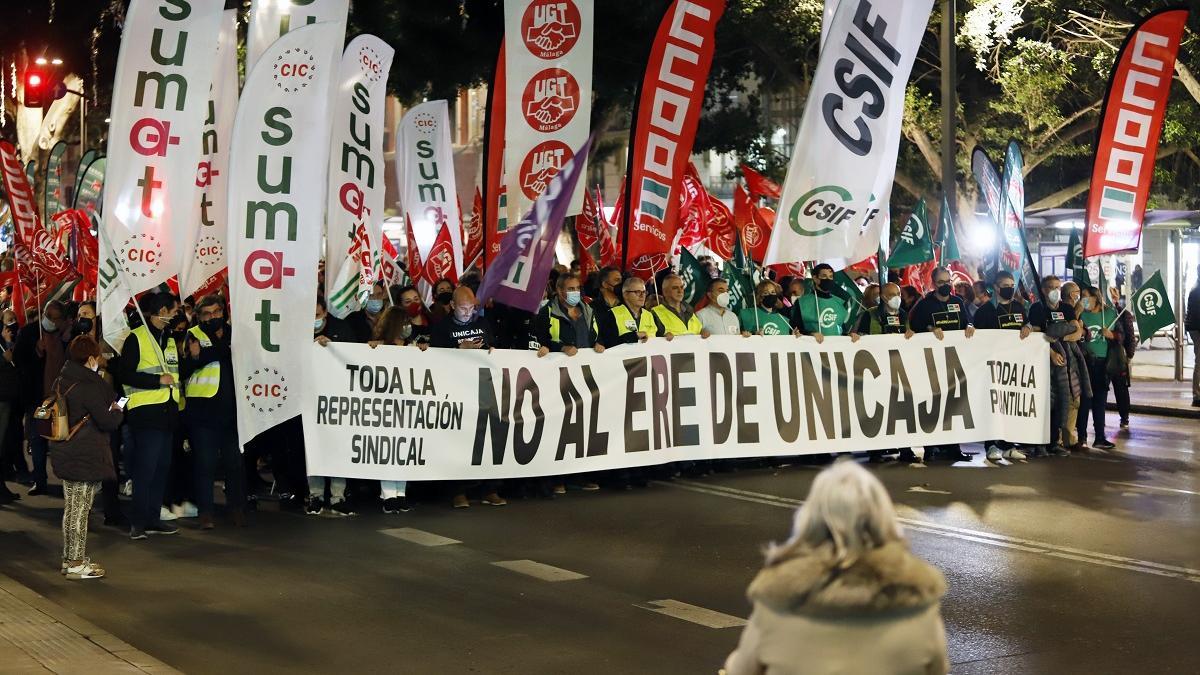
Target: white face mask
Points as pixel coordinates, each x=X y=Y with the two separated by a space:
x=894 y=303
x=48 y=325
x=1054 y=296
x=723 y=300
x=1087 y=303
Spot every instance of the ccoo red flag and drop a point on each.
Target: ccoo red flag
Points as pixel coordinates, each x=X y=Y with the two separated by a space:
x=759 y=185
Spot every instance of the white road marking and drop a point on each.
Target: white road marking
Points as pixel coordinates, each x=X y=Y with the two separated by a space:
x=964 y=534
x=538 y=570
x=697 y=615
x=925 y=490
x=420 y=537
x=1154 y=487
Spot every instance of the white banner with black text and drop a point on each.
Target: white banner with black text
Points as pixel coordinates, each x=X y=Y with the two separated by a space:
x=396 y=413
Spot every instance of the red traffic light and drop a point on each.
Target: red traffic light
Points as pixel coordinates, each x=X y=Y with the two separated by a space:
x=34 y=80
x=43 y=84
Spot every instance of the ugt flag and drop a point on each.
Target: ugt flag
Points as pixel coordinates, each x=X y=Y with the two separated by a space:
x=1152 y=307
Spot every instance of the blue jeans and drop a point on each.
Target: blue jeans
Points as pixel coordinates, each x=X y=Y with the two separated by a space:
x=39 y=447
x=148 y=462
x=211 y=445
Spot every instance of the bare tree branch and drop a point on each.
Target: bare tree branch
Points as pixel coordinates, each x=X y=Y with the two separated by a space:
x=921 y=139
x=1084 y=127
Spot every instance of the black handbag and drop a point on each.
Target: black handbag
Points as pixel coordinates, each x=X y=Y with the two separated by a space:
x=1117 y=362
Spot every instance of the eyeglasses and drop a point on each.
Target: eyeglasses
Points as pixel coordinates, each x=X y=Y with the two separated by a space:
x=636 y=292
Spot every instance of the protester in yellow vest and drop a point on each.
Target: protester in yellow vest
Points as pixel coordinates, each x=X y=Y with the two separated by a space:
x=149 y=371
x=675 y=315
x=566 y=324
x=630 y=322
x=211 y=411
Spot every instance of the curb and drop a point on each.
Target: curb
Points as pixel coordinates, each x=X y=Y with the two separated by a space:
x=1160 y=411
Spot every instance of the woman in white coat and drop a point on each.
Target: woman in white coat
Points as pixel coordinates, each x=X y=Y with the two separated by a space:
x=844 y=594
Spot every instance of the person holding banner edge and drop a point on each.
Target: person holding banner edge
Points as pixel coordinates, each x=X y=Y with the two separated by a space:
x=675 y=315
x=939 y=311
x=1005 y=311
x=826 y=314
x=629 y=322
x=885 y=319
x=1056 y=320
x=765 y=316
x=328 y=328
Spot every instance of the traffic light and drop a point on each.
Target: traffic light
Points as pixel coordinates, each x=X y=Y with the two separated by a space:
x=43 y=83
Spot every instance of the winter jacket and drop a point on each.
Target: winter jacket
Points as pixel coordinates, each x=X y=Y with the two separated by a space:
x=87 y=456
x=1191 y=320
x=879 y=616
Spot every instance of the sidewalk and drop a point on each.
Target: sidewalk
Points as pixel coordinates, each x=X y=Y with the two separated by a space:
x=38 y=636
x=1154 y=390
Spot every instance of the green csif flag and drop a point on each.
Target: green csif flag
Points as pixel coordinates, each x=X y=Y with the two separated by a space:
x=1075 y=260
x=946 y=240
x=695 y=280
x=915 y=245
x=1152 y=307
x=739 y=275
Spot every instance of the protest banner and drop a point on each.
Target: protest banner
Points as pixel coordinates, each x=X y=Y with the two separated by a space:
x=425 y=174
x=271 y=19
x=396 y=413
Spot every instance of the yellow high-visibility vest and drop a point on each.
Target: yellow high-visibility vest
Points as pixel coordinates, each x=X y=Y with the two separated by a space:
x=674 y=325
x=627 y=324
x=148 y=364
x=204 y=382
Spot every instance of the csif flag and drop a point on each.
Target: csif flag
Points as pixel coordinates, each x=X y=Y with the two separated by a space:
x=520 y=271
x=1076 y=263
x=835 y=199
x=159 y=102
x=664 y=128
x=1152 y=307
x=947 y=242
x=277 y=173
x=1130 y=125
x=915 y=245
x=695 y=279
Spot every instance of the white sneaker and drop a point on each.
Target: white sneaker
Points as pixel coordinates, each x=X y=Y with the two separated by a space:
x=1014 y=454
x=127 y=488
x=994 y=454
x=85 y=570
x=185 y=510
x=165 y=514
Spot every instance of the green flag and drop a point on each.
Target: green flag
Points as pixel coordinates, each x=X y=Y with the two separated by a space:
x=738 y=274
x=945 y=234
x=915 y=245
x=1152 y=307
x=1075 y=260
x=695 y=280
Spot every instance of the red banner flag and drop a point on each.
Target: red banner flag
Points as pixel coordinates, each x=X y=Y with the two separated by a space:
x=665 y=128
x=759 y=185
x=41 y=261
x=1130 y=125
x=416 y=270
x=472 y=236
x=389 y=265
x=693 y=208
x=495 y=210
x=440 y=264
x=753 y=223
x=721 y=230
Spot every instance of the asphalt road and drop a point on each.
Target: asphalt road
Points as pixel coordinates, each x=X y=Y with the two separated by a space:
x=1078 y=565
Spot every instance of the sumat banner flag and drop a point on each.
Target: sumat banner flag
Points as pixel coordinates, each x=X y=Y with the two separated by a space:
x=915 y=245
x=1130 y=125
x=452 y=414
x=425 y=169
x=355 y=197
x=204 y=257
x=269 y=19
x=548 y=94
x=1152 y=307
x=91 y=189
x=277 y=172
x=41 y=262
x=835 y=199
x=672 y=98
x=159 y=102
x=53 y=196
x=519 y=273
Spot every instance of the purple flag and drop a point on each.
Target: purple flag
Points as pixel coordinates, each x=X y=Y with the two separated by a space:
x=518 y=275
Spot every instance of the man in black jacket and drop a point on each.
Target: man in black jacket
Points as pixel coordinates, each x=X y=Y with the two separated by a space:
x=1006 y=313
x=327 y=328
x=939 y=311
x=1191 y=323
x=39 y=355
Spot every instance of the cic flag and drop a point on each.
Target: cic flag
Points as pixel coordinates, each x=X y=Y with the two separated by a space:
x=1130 y=125
x=835 y=199
x=672 y=96
x=159 y=103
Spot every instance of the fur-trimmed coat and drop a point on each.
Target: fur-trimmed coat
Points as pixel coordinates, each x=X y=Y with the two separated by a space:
x=880 y=616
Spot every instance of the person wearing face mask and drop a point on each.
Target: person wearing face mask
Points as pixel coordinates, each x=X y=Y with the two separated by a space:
x=1098 y=320
x=1127 y=339
x=567 y=324
x=883 y=317
x=418 y=318
x=83 y=460
x=39 y=355
x=443 y=298
x=326 y=329
x=12 y=459
x=716 y=316
x=149 y=371
x=940 y=311
x=609 y=295
x=981 y=297
x=1056 y=321
x=1008 y=312
x=1081 y=385
x=764 y=318
x=393 y=328
x=364 y=321
x=629 y=322
x=822 y=314
x=676 y=316
x=211 y=412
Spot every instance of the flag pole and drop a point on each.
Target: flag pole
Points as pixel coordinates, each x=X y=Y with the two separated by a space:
x=158 y=352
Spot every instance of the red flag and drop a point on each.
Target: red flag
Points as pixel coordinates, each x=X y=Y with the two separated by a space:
x=472 y=235
x=416 y=271
x=496 y=212
x=721 y=230
x=588 y=224
x=794 y=270
x=389 y=264
x=693 y=208
x=665 y=128
x=1131 y=123
x=440 y=264
x=867 y=266
x=759 y=185
x=41 y=261
x=753 y=223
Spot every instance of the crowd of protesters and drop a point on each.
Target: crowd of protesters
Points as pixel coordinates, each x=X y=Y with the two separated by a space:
x=156 y=422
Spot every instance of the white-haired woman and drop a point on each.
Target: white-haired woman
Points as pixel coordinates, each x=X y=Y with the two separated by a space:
x=844 y=594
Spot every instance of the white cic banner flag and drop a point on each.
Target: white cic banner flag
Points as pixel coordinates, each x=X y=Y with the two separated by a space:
x=548 y=94
x=835 y=199
x=277 y=174
x=354 y=208
x=270 y=19
x=159 y=101
x=204 y=243
x=396 y=413
x=425 y=169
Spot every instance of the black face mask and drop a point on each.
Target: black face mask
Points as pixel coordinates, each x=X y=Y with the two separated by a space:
x=1007 y=294
x=84 y=325
x=770 y=301
x=825 y=285
x=444 y=297
x=944 y=290
x=212 y=326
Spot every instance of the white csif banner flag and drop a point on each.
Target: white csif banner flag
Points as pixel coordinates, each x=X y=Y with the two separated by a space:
x=425 y=169
x=270 y=19
x=356 y=174
x=159 y=102
x=835 y=199
x=395 y=413
x=548 y=94
x=204 y=247
x=277 y=174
